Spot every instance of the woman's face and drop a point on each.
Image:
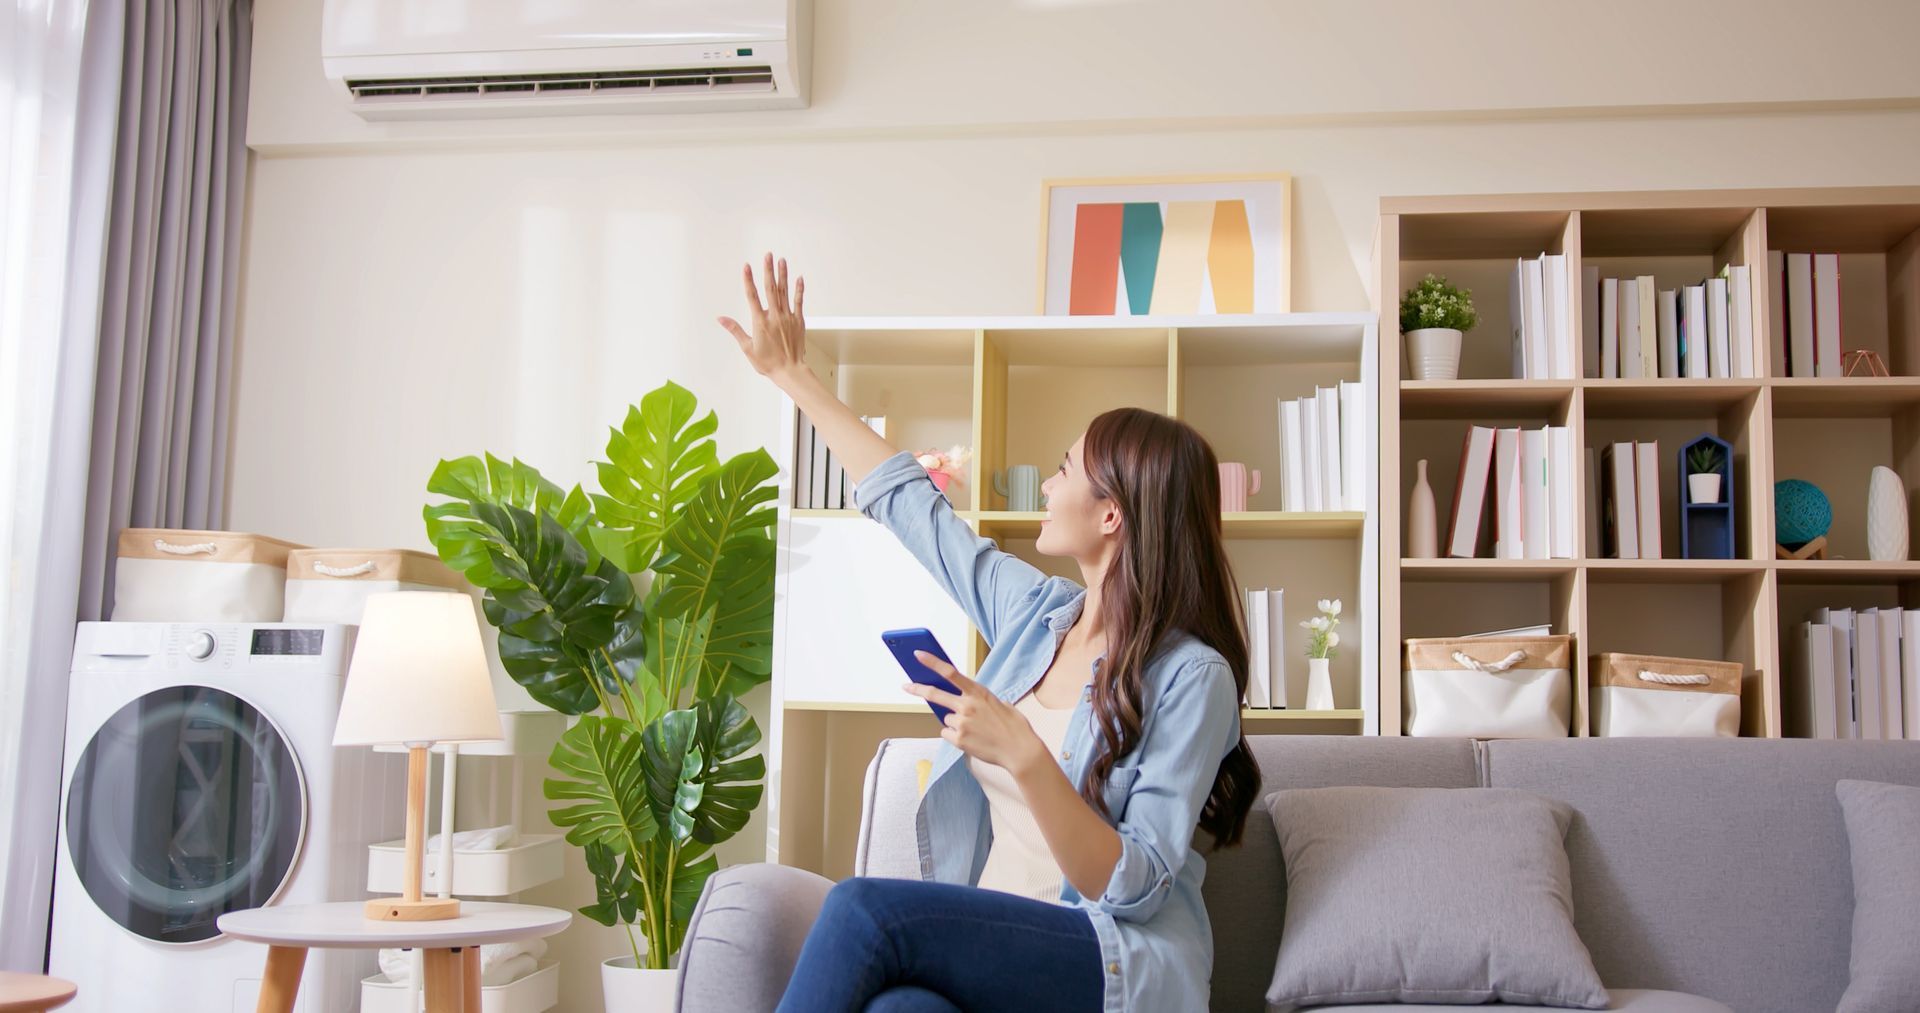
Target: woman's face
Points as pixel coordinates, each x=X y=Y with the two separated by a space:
x=1078 y=521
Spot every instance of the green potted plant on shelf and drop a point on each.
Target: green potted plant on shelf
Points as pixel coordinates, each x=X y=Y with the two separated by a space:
x=1703 y=473
x=1434 y=316
x=656 y=770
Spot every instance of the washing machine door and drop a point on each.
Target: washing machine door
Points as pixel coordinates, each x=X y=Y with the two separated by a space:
x=186 y=804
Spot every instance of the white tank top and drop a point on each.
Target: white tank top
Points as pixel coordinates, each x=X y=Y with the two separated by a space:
x=1019 y=860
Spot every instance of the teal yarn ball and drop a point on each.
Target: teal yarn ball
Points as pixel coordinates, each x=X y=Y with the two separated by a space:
x=1801 y=512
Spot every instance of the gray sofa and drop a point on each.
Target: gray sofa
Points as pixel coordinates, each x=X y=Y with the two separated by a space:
x=1713 y=867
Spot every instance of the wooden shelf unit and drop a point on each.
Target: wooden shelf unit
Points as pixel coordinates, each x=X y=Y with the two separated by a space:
x=1830 y=431
x=1020 y=390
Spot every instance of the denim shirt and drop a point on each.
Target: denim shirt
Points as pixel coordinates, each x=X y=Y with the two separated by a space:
x=1156 y=946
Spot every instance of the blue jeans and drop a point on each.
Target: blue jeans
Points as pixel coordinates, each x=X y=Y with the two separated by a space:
x=907 y=946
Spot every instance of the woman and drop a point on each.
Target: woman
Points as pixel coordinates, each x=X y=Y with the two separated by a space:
x=1103 y=729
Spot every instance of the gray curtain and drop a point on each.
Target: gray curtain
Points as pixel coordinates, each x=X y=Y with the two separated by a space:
x=161 y=394
x=146 y=368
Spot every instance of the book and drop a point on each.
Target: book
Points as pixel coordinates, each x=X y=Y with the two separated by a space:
x=1620 y=525
x=1517 y=315
x=1470 y=492
x=1257 y=651
x=1535 y=508
x=1277 y=690
x=833 y=494
x=1809 y=688
x=803 y=440
x=1293 y=492
x=1845 y=694
x=1560 y=490
x=1800 y=359
x=1866 y=672
x=1720 y=343
x=1353 y=437
x=1776 y=289
x=1649 y=349
x=1668 y=309
x=1826 y=314
x=1589 y=321
x=1557 y=302
x=1509 y=518
x=1630 y=330
x=1591 y=536
x=1610 y=328
x=1910 y=672
x=1539 y=361
x=818 y=492
x=1310 y=439
x=1740 y=304
x=1699 y=335
x=1892 y=720
x=1332 y=496
x=1541 y=630
x=1646 y=483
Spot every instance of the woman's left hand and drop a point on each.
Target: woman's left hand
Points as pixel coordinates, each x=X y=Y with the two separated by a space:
x=982 y=725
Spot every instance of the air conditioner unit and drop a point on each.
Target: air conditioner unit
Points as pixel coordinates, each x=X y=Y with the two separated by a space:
x=433 y=59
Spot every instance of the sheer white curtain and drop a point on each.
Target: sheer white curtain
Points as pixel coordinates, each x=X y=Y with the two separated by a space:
x=59 y=84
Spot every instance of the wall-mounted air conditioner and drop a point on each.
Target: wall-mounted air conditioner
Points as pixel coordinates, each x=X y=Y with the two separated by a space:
x=431 y=59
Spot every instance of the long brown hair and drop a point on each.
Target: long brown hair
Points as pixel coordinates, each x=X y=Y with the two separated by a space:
x=1170 y=575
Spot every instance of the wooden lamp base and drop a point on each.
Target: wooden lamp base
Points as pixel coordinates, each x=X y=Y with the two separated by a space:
x=410 y=906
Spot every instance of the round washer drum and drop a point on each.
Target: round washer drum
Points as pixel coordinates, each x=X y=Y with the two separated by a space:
x=186 y=804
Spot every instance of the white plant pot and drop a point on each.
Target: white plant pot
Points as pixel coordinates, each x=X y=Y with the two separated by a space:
x=1704 y=486
x=1320 y=682
x=1433 y=353
x=627 y=989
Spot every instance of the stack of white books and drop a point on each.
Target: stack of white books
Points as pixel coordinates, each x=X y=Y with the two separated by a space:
x=1266 y=649
x=1630 y=500
x=1855 y=674
x=1530 y=473
x=1634 y=331
x=1540 y=301
x=819 y=479
x=1803 y=292
x=1323 y=440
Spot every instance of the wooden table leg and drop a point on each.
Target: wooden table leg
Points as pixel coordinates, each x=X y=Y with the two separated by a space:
x=445 y=989
x=281 y=986
x=470 y=975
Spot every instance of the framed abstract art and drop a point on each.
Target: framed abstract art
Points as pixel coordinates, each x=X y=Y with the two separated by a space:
x=1175 y=245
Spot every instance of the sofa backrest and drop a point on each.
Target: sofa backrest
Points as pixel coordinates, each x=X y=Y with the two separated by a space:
x=1718 y=867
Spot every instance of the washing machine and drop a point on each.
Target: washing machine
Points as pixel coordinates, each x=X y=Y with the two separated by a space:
x=200 y=777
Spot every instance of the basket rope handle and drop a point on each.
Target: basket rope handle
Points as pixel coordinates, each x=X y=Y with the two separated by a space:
x=344 y=571
x=196 y=549
x=1695 y=679
x=1489 y=666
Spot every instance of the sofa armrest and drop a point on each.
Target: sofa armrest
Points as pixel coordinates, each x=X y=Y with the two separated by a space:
x=744 y=937
x=889 y=807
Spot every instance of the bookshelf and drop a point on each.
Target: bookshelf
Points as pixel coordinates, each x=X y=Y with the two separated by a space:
x=1020 y=390
x=1830 y=431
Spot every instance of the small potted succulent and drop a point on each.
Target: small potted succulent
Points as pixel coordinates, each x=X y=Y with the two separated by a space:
x=1434 y=315
x=1703 y=473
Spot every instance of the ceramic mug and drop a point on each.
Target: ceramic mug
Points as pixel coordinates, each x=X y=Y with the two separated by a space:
x=1020 y=484
x=1236 y=484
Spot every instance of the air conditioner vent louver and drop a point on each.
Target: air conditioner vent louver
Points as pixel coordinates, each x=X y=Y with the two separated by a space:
x=575 y=85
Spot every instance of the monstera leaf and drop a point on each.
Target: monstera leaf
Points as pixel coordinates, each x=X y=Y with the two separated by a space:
x=457 y=534
x=616 y=889
x=723 y=734
x=719 y=559
x=657 y=461
x=604 y=776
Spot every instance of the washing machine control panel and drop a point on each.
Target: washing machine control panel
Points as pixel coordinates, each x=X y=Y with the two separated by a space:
x=200 y=645
x=271 y=649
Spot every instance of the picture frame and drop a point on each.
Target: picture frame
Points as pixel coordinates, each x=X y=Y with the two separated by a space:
x=1187 y=245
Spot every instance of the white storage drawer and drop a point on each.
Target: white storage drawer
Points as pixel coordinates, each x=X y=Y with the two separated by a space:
x=536 y=859
x=534 y=993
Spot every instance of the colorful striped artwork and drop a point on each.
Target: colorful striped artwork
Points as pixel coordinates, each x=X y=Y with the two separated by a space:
x=1172 y=257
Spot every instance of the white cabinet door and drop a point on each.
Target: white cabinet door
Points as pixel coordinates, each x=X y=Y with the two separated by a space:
x=847 y=579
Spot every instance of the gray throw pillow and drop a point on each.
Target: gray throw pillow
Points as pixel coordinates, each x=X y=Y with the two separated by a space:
x=1883 y=824
x=1428 y=895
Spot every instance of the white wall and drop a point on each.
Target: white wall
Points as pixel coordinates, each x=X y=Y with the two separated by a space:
x=417 y=293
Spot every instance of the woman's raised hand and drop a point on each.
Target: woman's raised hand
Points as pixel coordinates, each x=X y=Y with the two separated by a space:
x=982 y=725
x=778 y=337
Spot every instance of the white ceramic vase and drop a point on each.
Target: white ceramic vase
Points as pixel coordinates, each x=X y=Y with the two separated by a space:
x=627 y=989
x=1433 y=353
x=1319 y=685
x=1423 y=532
x=1704 y=486
x=1886 y=515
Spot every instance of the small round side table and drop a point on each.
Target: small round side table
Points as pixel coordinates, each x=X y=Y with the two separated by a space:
x=32 y=993
x=451 y=946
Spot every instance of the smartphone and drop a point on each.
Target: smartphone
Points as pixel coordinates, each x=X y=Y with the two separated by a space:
x=903 y=643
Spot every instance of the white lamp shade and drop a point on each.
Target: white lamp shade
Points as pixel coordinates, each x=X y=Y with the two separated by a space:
x=418 y=675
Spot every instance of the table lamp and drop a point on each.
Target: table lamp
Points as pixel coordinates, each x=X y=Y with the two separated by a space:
x=418 y=677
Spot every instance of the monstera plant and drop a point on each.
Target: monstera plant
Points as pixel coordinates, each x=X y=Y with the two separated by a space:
x=656 y=770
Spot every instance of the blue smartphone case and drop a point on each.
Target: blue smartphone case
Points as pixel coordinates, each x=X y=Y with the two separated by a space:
x=903 y=643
